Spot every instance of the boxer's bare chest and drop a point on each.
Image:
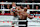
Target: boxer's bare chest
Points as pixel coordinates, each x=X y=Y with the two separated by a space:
x=23 y=15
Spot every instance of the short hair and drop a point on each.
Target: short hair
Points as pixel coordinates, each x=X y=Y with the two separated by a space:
x=25 y=7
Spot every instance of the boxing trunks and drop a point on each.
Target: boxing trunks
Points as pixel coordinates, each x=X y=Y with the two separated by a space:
x=21 y=23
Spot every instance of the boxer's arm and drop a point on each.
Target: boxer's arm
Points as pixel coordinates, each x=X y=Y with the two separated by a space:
x=11 y=12
x=18 y=11
x=29 y=16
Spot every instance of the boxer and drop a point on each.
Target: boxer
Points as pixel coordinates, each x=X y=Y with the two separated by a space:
x=12 y=12
x=23 y=16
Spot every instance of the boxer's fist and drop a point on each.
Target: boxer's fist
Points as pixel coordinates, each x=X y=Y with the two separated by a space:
x=32 y=17
x=13 y=10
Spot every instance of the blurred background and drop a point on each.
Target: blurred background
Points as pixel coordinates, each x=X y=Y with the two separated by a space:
x=8 y=6
x=27 y=1
x=36 y=7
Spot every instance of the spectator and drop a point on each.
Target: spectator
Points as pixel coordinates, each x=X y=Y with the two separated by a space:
x=36 y=7
x=32 y=1
x=8 y=6
x=2 y=6
x=26 y=1
x=36 y=12
x=28 y=7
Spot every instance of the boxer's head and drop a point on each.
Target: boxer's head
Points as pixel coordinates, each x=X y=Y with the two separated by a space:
x=25 y=8
x=13 y=4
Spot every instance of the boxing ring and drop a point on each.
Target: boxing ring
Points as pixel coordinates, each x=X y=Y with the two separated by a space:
x=7 y=20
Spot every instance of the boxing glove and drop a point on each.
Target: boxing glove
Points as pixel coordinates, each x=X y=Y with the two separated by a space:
x=13 y=10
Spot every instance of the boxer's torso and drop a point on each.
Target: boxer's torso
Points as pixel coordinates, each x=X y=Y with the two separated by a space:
x=23 y=15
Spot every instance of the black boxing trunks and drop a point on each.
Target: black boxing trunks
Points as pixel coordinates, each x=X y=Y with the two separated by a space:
x=23 y=23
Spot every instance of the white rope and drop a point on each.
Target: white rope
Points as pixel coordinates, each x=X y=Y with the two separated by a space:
x=33 y=25
x=14 y=25
x=13 y=20
x=5 y=2
x=28 y=3
x=20 y=20
x=17 y=3
x=33 y=9
x=27 y=10
x=4 y=9
x=18 y=25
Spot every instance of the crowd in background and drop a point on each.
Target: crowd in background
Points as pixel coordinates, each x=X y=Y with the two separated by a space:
x=8 y=6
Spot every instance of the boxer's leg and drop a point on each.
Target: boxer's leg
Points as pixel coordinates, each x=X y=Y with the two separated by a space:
x=22 y=23
x=26 y=23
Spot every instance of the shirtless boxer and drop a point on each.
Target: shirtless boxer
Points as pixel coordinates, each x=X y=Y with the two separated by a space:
x=22 y=15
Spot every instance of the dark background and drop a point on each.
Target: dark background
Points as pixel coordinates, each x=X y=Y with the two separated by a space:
x=21 y=1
